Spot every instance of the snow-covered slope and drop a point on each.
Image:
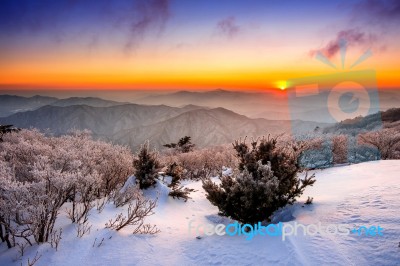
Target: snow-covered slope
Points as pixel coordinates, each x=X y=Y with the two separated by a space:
x=365 y=194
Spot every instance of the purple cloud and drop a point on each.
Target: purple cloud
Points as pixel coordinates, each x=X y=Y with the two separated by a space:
x=147 y=15
x=353 y=37
x=380 y=17
x=227 y=27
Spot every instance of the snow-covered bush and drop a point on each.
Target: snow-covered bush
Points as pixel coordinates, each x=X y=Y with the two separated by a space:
x=146 y=166
x=387 y=141
x=340 y=148
x=317 y=156
x=38 y=174
x=266 y=180
x=312 y=150
x=139 y=208
x=112 y=163
x=325 y=150
x=203 y=163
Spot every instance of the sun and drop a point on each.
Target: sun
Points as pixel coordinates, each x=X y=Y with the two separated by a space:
x=281 y=84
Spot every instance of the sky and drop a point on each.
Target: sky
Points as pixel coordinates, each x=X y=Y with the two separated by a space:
x=191 y=45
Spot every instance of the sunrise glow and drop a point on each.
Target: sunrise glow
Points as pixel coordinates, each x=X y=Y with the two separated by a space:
x=178 y=47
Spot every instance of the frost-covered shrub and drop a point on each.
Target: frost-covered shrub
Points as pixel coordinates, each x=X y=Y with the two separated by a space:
x=387 y=141
x=340 y=145
x=31 y=208
x=311 y=150
x=266 y=180
x=361 y=153
x=200 y=164
x=138 y=209
x=112 y=163
x=38 y=174
x=326 y=150
x=318 y=156
x=146 y=166
x=195 y=165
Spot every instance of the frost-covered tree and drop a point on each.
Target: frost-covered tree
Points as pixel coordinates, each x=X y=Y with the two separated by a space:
x=38 y=174
x=175 y=171
x=387 y=141
x=266 y=180
x=146 y=166
x=340 y=145
x=203 y=163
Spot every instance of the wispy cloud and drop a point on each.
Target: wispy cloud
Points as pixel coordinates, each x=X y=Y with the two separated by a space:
x=369 y=22
x=227 y=27
x=353 y=37
x=147 y=16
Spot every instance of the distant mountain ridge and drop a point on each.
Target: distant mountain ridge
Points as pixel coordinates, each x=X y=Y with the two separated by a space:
x=11 y=104
x=90 y=101
x=132 y=124
x=251 y=104
x=388 y=118
x=269 y=105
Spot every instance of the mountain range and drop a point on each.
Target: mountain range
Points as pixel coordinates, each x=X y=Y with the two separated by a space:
x=268 y=105
x=132 y=124
x=11 y=104
x=254 y=105
x=210 y=118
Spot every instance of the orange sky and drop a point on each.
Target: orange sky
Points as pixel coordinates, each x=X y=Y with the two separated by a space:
x=236 y=51
x=174 y=72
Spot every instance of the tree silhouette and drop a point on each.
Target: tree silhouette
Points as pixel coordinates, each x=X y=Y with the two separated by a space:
x=184 y=145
